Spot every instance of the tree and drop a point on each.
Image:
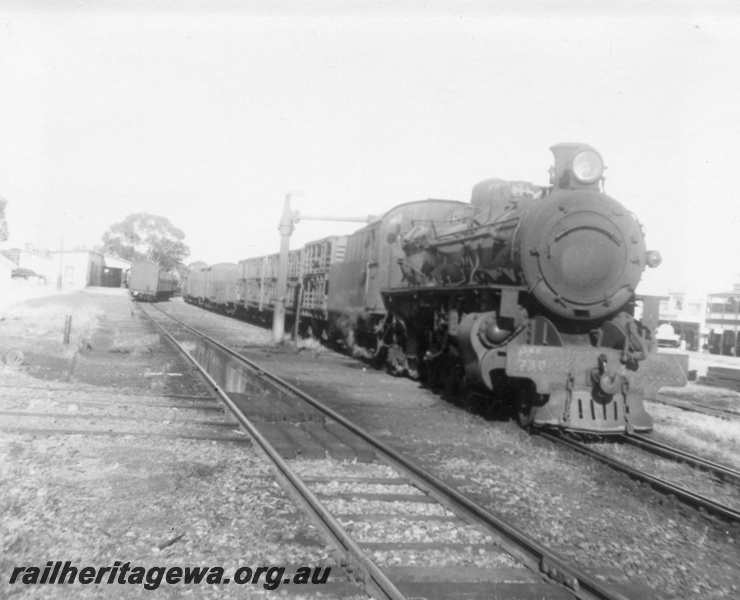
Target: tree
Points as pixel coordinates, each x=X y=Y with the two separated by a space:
x=142 y=236
x=3 y=222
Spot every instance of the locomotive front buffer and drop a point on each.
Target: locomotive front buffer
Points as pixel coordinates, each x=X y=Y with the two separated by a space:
x=605 y=397
x=574 y=387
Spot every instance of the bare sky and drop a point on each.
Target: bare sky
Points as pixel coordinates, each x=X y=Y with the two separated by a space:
x=209 y=112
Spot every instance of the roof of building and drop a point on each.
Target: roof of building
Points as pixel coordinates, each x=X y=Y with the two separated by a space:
x=7 y=263
x=34 y=251
x=77 y=252
x=112 y=258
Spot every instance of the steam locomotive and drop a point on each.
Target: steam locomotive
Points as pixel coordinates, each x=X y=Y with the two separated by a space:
x=523 y=297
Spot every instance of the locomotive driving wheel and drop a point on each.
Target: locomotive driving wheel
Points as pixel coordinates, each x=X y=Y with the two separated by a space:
x=452 y=376
x=435 y=375
x=472 y=399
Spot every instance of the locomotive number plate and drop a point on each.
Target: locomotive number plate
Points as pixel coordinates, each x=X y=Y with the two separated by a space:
x=553 y=363
x=523 y=361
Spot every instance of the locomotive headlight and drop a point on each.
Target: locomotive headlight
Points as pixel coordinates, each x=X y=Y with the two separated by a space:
x=653 y=259
x=588 y=166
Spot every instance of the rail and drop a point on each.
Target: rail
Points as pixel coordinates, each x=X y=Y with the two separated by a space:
x=376 y=579
x=531 y=552
x=691 y=498
x=645 y=443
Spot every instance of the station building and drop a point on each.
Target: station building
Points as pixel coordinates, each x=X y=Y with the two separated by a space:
x=77 y=269
x=115 y=271
x=74 y=269
x=723 y=322
x=686 y=313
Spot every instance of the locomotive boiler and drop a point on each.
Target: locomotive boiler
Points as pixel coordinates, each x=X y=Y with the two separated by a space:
x=526 y=297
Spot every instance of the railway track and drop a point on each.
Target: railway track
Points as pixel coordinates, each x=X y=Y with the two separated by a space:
x=690 y=497
x=89 y=414
x=382 y=514
x=698 y=407
x=721 y=472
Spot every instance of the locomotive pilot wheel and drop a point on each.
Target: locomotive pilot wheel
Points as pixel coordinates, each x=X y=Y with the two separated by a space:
x=525 y=411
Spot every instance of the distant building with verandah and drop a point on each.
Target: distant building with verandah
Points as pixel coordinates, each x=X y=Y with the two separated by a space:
x=723 y=321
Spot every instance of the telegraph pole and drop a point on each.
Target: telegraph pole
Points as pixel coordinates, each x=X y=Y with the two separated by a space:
x=60 y=277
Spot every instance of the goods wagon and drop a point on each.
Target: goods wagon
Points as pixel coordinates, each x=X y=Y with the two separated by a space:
x=148 y=282
x=219 y=287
